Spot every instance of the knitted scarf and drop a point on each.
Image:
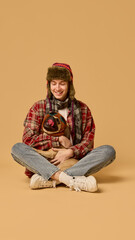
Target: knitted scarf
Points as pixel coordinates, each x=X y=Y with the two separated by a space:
x=74 y=106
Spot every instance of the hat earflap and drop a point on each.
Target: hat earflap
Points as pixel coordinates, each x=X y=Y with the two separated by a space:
x=71 y=91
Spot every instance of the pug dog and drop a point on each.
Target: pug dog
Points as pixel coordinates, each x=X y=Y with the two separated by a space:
x=55 y=125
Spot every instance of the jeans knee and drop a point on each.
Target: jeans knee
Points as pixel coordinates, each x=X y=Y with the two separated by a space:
x=16 y=147
x=110 y=151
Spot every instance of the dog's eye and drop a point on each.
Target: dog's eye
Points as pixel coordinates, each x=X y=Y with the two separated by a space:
x=58 y=121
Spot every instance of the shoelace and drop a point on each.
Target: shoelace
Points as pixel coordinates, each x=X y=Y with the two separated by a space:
x=54 y=183
x=74 y=185
x=42 y=182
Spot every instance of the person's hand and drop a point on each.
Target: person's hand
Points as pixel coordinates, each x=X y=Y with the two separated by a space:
x=62 y=155
x=65 y=142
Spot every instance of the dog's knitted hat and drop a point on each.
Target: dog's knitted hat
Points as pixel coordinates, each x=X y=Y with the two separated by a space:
x=61 y=71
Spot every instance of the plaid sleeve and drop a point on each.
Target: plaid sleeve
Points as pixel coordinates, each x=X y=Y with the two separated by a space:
x=32 y=135
x=88 y=127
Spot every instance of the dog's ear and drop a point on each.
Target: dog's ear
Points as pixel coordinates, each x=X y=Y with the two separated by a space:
x=62 y=119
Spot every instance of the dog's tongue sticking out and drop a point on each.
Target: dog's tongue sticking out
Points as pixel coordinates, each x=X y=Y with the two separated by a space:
x=50 y=122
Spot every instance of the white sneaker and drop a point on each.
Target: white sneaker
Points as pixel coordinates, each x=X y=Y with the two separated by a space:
x=38 y=181
x=79 y=183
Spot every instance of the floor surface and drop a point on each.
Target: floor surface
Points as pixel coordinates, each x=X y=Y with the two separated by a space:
x=63 y=214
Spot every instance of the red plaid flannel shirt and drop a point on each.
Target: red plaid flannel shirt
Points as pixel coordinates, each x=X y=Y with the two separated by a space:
x=34 y=137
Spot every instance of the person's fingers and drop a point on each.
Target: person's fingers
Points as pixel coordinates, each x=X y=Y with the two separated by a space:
x=53 y=160
x=57 y=149
x=57 y=162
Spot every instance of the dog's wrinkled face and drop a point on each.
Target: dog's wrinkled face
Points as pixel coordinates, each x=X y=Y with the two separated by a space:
x=53 y=123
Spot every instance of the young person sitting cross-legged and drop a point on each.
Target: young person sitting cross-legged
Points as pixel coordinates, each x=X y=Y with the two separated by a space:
x=43 y=173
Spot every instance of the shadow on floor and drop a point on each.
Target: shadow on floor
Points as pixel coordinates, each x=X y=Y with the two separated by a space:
x=106 y=178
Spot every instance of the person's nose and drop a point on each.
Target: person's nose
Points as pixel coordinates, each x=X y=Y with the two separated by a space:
x=57 y=87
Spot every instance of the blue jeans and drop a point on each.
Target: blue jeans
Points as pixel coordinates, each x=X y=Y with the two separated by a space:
x=91 y=163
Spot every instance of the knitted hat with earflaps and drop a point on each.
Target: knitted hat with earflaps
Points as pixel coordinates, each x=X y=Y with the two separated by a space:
x=61 y=71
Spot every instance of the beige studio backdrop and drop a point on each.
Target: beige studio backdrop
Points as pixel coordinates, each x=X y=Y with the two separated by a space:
x=97 y=39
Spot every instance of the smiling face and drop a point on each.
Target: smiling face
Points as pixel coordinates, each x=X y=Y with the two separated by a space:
x=59 y=88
